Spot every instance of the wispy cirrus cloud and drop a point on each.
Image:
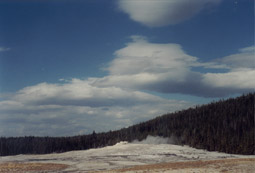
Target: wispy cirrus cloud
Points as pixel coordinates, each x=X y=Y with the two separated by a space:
x=161 y=12
x=4 y=49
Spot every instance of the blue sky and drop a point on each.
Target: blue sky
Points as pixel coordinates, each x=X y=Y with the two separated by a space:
x=106 y=64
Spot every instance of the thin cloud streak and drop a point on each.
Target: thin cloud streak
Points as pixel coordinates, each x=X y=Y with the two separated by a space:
x=4 y=49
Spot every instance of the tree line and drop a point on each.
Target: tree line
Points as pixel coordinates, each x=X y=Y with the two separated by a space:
x=225 y=126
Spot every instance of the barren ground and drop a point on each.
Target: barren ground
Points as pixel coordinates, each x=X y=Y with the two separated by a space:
x=245 y=165
x=226 y=166
x=131 y=157
x=31 y=167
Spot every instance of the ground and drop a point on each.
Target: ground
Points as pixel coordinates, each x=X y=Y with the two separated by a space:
x=213 y=166
x=246 y=165
x=131 y=157
x=31 y=167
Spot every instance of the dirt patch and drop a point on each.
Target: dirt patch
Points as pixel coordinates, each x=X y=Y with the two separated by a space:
x=31 y=167
x=226 y=166
x=246 y=165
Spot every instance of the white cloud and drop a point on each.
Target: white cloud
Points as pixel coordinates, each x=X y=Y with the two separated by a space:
x=241 y=74
x=237 y=79
x=244 y=59
x=81 y=93
x=119 y=99
x=166 y=68
x=68 y=108
x=161 y=12
x=140 y=56
x=141 y=64
x=250 y=49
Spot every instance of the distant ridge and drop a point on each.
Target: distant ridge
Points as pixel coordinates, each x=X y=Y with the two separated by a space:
x=225 y=126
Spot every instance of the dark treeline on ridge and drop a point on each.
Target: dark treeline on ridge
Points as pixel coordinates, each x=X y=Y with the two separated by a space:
x=225 y=126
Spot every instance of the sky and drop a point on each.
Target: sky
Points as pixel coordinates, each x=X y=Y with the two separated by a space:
x=71 y=67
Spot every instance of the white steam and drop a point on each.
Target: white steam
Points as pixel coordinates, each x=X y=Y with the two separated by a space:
x=155 y=140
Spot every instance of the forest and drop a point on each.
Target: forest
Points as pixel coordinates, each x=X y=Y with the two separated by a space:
x=225 y=126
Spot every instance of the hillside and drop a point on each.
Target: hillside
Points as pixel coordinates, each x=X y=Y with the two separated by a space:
x=225 y=126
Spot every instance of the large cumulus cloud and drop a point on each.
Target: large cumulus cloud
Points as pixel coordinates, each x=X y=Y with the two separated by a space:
x=77 y=107
x=124 y=96
x=167 y=68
